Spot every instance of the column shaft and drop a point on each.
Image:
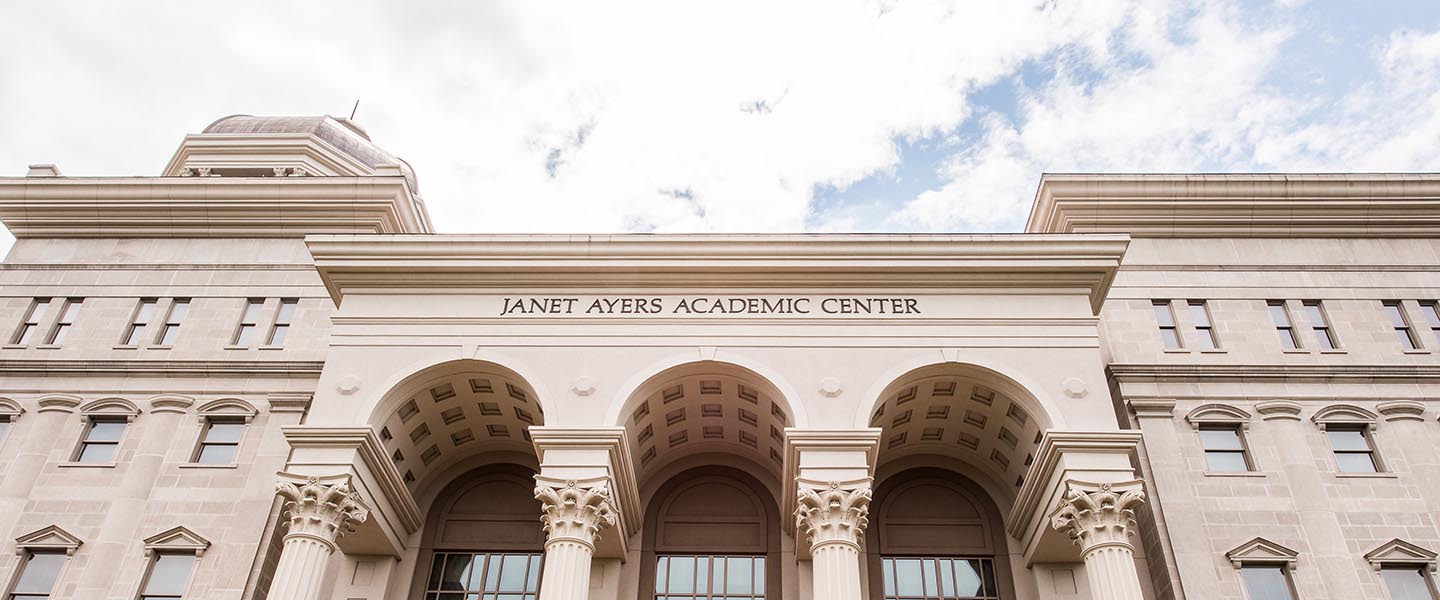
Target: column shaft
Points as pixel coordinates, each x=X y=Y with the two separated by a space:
x=567 y=571
x=301 y=569
x=837 y=571
x=1111 y=569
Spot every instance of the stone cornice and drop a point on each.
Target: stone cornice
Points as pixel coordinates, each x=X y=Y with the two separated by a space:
x=788 y=261
x=364 y=442
x=208 y=206
x=1042 y=476
x=1181 y=373
x=1239 y=205
x=623 y=487
x=167 y=368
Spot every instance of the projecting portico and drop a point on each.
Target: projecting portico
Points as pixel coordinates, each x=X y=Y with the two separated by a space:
x=713 y=416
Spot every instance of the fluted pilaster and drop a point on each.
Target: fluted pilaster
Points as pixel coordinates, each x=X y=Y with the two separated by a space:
x=832 y=520
x=574 y=513
x=319 y=512
x=1100 y=519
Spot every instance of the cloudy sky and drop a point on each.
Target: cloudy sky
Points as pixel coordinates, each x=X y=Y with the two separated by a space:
x=831 y=115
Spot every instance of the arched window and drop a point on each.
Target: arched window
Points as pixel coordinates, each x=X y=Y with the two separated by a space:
x=712 y=533
x=935 y=536
x=482 y=538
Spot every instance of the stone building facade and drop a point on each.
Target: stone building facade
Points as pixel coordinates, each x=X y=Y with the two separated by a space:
x=262 y=375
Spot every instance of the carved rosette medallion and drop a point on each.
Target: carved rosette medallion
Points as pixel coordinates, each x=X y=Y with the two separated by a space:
x=574 y=511
x=1098 y=515
x=835 y=514
x=321 y=510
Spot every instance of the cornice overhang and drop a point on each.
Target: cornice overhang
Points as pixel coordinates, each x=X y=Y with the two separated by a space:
x=1239 y=205
x=208 y=207
x=1086 y=264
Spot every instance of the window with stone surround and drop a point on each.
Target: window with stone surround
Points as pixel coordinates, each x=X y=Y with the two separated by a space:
x=1204 y=326
x=1320 y=324
x=1165 y=318
x=219 y=441
x=689 y=577
x=179 y=309
x=25 y=333
x=1401 y=324
x=1431 y=310
x=1264 y=569
x=36 y=577
x=1407 y=569
x=68 y=313
x=1354 y=452
x=249 y=322
x=1284 y=327
x=102 y=440
x=283 y=319
x=1225 y=450
x=139 y=321
x=168 y=576
x=915 y=578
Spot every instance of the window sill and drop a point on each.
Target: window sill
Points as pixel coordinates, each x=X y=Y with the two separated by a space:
x=1335 y=351
x=272 y=347
x=203 y=466
x=157 y=347
x=1298 y=351
x=1176 y=351
x=86 y=465
x=1215 y=351
x=1382 y=475
x=237 y=347
x=124 y=347
x=1245 y=474
x=14 y=347
x=1417 y=351
x=48 y=347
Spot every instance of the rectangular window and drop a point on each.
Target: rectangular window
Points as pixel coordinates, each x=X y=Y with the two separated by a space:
x=219 y=441
x=1204 y=328
x=939 y=579
x=511 y=576
x=1267 y=582
x=179 y=308
x=1401 y=325
x=102 y=440
x=1224 y=449
x=168 y=577
x=135 y=332
x=1432 y=316
x=62 y=325
x=1320 y=323
x=38 y=573
x=31 y=323
x=249 y=321
x=1166 y=318
x=282 y=322
x=4 y=427
x=1353 y=451
x=679 y=577
x=1283 y=326
x=1408 y=582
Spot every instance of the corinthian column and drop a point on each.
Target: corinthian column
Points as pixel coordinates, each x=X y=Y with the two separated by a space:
x=320 y=512
x=832 y=519
x=574 y=514
x=1099 y=518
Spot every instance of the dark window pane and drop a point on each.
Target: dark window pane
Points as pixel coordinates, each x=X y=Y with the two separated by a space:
x=1266 y=583
x=1221 y=438
x=98 y=453
x=1406 y=583
x=216 y=454
x=1348 y=439
x=224 y=432
x=455 y=570
x=106 y=431
x=1226 y=462
x=170 y=574
x=39 y=574
x=1355 y=462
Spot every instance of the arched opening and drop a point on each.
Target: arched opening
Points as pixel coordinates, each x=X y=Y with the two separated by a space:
x=706 y=407
x=482 y=538
x=936 y=535
x=438 y=422
x=962 y=413
x=711 y=532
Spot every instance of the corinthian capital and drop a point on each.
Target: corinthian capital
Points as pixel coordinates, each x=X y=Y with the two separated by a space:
x=1098 y=514
x=833 y=512
x=322 y=509
x=574 y=510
